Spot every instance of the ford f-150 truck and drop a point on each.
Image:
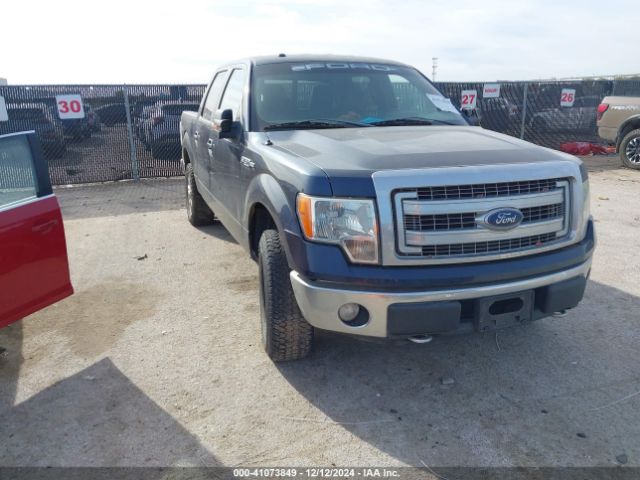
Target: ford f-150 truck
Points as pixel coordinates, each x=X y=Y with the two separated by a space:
x=373 y=208
x=618 y=121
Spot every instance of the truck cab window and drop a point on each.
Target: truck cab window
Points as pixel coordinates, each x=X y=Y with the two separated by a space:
x=232 y=98
x=213 y=98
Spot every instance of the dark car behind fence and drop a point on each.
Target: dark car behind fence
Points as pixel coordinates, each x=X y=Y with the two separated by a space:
x=98 y=133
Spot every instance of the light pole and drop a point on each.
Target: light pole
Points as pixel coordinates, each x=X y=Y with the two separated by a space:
x=434 y=68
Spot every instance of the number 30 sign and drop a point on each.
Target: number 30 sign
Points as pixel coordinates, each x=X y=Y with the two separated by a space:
x=69 y=106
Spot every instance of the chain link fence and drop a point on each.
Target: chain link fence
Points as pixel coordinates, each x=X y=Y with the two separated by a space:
x=113 y=132
x=125 y=132
x=545 y=113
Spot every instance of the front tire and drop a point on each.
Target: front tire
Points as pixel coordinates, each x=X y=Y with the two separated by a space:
x=198 y=212
x=630 y=150
x=286 y=335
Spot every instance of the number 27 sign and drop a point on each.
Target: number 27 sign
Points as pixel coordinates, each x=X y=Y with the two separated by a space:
x=69 y=106
x=468 y=99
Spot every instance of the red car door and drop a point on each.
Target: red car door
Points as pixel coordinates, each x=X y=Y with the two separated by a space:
x=34 y=270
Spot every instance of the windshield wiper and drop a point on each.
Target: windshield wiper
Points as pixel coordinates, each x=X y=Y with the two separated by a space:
x=311 y=124
x=407 y=121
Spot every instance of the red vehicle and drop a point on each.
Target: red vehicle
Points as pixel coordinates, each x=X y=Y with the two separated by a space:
x=34 y=269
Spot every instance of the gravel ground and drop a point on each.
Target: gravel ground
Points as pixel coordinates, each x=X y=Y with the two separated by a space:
x=156 y=360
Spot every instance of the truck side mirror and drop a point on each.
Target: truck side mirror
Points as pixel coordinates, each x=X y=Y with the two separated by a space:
x=224 y=123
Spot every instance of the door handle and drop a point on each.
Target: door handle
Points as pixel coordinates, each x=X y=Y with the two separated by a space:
x=196 y=135
x=210 y=143
x=44 y=227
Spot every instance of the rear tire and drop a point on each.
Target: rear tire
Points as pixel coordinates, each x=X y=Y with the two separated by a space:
x=630 y=149
x=198 y=212
x=286 y=335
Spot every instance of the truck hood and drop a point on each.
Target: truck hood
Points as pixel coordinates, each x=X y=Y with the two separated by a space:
x=362 y=151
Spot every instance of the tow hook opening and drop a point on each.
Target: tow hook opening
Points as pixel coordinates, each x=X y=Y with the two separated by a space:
x=508 y=305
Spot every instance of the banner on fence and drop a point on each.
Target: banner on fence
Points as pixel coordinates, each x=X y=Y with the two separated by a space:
x=491 y=90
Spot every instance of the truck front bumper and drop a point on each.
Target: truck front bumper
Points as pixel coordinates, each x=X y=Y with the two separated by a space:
x=481 y=307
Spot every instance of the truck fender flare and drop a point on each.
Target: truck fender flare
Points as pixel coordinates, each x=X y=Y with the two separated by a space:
x=266 y=191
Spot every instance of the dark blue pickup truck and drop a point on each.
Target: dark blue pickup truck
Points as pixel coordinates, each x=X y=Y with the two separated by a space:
x=373 y=208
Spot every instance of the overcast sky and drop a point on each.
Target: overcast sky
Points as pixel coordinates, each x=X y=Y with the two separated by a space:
x=160 y=41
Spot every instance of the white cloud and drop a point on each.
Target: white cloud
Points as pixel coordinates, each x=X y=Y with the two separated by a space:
x=166 y=41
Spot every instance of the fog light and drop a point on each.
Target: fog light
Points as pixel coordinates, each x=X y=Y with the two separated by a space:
x=348 y=312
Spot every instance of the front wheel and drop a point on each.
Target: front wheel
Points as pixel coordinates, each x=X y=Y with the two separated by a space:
x=286 y=335
x=198 y=212
x=630 y=149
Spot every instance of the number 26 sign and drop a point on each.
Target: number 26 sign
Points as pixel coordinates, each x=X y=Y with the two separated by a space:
x=69 y=106
x=567 y=97
x=468 y=99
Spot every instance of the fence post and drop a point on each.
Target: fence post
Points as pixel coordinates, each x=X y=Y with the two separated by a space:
x=132 y=144
x=524 y=110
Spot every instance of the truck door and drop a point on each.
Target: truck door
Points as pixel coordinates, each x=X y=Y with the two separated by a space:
x=34 y=270
x=228 y=151
x=202 y=133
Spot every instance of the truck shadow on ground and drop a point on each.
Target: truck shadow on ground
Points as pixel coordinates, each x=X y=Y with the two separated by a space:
x=96 y=417
x=121 y=198
x=540 y=394
x=216 y=230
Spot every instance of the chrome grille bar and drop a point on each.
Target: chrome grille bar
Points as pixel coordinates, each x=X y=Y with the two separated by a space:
x=451 y=192
x=418 y=239
x=416 y=207
x=460 y=221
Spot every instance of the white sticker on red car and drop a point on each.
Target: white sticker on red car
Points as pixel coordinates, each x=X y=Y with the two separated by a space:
x=4 y=116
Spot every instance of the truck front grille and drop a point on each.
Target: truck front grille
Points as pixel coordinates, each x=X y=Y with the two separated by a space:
x=450 y=221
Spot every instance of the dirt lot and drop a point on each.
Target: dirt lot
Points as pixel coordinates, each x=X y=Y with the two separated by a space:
x=156 y=360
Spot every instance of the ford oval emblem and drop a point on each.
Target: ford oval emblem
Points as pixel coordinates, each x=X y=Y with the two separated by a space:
x=503 y=218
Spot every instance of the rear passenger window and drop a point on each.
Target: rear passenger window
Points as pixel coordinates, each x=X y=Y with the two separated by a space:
x=232 y=98
x=213 y=97
x=17 y=172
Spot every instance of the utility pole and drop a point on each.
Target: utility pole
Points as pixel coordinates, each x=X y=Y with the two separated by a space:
x=434 y=68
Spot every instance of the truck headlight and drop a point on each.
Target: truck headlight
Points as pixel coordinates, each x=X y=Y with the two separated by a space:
x=348 y=222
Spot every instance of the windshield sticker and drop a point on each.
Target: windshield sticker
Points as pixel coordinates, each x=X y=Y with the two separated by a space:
x=342 y=66
x=442 y=103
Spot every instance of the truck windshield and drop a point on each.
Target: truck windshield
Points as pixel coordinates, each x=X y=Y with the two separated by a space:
x=289 y=96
